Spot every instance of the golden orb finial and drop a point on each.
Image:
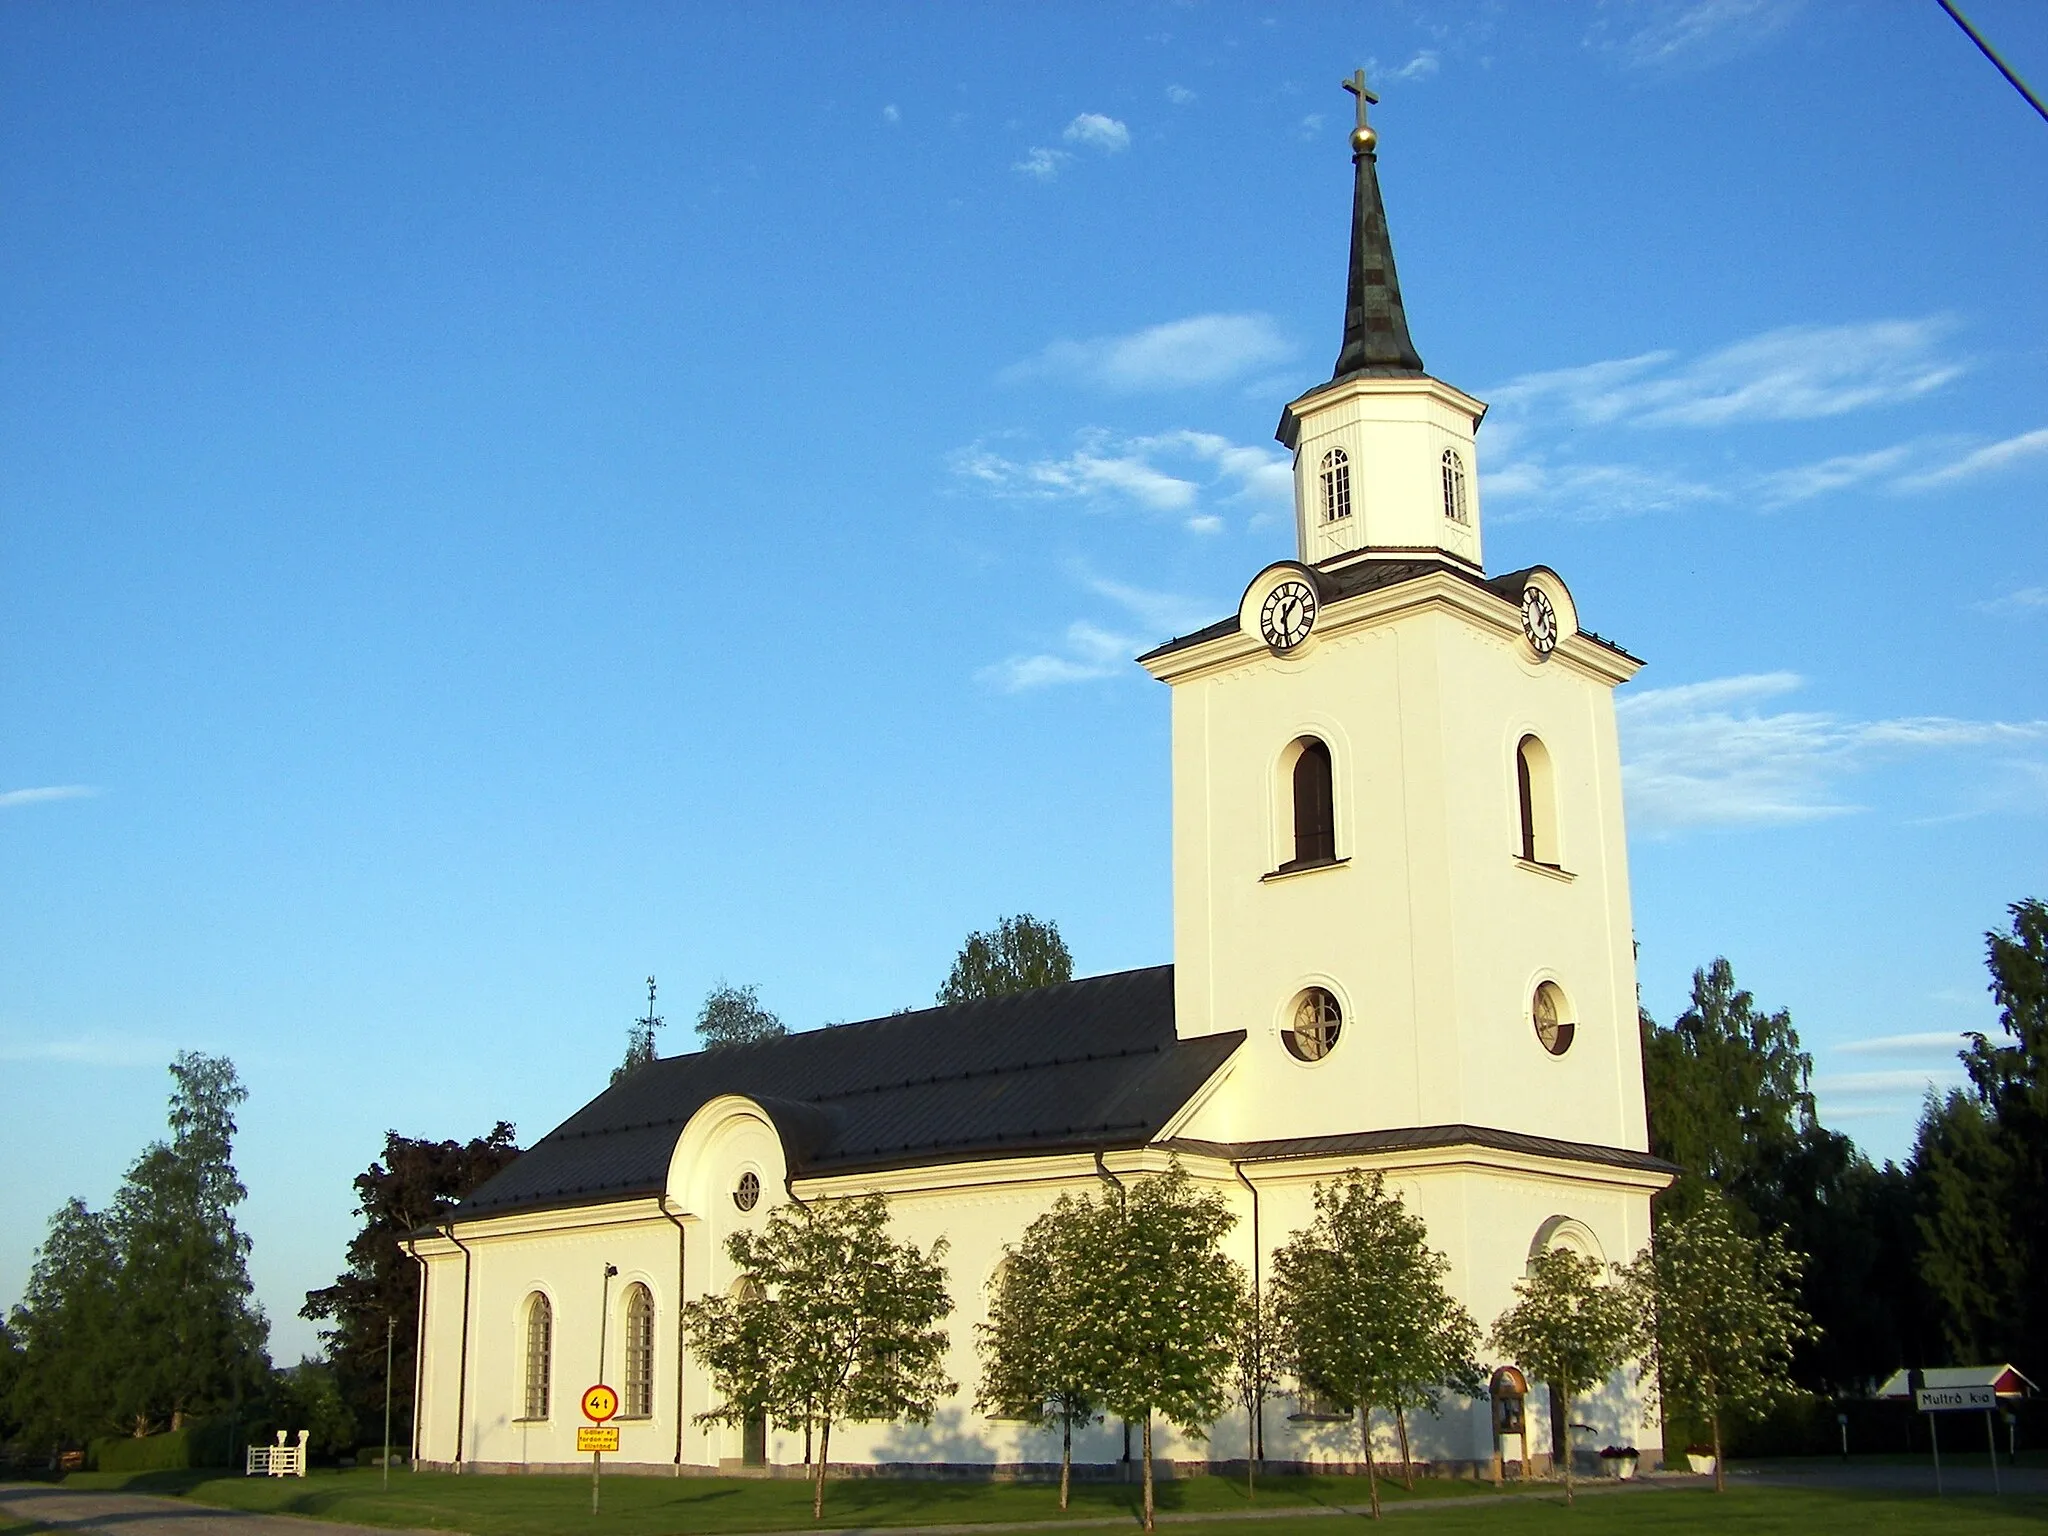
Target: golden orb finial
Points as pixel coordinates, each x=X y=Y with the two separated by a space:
x=1362 y=140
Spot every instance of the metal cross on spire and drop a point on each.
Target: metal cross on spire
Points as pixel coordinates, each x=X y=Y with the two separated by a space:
x=1362 y=137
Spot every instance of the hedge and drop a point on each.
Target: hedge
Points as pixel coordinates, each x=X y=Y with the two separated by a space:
x=203 y=1443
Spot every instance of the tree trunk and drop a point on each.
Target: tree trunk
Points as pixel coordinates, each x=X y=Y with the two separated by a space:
x=1148 y=1469
x=1720 y=1480
x=1372 y=1479
x=818 y=1471
x=1066 y=1454
x=1407 y=1464
x=1564 y=1399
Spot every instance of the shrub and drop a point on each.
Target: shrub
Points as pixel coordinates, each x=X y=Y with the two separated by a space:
x=203 y=1443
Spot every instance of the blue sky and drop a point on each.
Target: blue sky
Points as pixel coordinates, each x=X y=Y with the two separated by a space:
x=498 y=501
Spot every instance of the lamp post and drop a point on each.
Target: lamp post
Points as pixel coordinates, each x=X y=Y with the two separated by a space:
x=387 y=1400
x=604 y=1317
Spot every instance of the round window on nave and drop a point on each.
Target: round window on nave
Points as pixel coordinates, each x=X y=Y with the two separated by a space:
x=1312 y=1032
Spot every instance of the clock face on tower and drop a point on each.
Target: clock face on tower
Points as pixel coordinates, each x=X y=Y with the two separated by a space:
x=1288 y=614
x=1539 y=620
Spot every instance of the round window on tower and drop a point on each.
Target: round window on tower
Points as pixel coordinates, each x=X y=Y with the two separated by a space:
x=747 y=1194
x=1312 y=1029
x=1552 y=1018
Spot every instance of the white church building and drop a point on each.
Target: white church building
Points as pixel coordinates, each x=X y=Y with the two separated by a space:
x=1402 y=942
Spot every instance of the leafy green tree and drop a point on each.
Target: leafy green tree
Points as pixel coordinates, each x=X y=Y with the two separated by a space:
x=1573 y=1325
x=10 y=1375
x=1255 y=1345
x=640 y=1040
x=308 y=1396
x=734 y=1016
x=1033 y=1367
x=1726 y=1316
x=414 y=1184
x=1983 y=1158
x=1361 y=1300
x=1157 y=1300
x=840 y=1323
x=1021 y=953
x=194 y=1335
x=67 y=1327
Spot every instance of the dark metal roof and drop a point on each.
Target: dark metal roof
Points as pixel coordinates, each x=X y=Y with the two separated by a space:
x=1354 y=576
x=1422 y=1138
x=1376 y=340
x=1085 y=1066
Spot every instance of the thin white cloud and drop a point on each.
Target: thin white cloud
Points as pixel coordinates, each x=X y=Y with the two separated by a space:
x=1090 y=654
x=1189 y=353
x=1797 y=373
x=1311 y=125
x=89 y=1051
x=1179 y=473
x=1179 y=95
x=1590 y=492
x=45 y=793
x=1709 y=755
x=1995 y=456
x=1421 y=67
x=1041 y=164
x=891 y=114
x=1803 y=482
x=1098 y=132
x=2023 y=600
x=1663 y=35
x=1165 y=614
x=1915 y=1044
x=1860 y=1084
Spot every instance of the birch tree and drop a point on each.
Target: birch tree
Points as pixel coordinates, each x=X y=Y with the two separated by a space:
x=1726 y=1316
x=1363 y=1309
x=1573 y=1326
x=839 y=1325
x=1033 y=1362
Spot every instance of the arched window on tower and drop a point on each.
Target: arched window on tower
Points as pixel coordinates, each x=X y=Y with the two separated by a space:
x=1336 y=485
x=1454 y=487
x=540 y=1345
x=1315 y=807
x=637 y=1399
x=1538 y=796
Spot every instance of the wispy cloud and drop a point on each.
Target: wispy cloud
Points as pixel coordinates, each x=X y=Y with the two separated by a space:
x=1189 y=353
x=89 y=1051
x=1097 y=131
x=1680 y=34
x=1803 y=482
x=1889 y=1082
x=1179 y=95
x=1591 y=492
x=1917 y=1044
x=1090 y=651
x=1709 y=754
x=1986 y=460
x=1181 y=473
x=1041 y=164
x=1421 y=67
x=13 y=797
x=2023 y=600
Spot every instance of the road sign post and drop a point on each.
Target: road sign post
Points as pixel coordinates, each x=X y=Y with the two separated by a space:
x=599 y=1403
x=1933 y=1401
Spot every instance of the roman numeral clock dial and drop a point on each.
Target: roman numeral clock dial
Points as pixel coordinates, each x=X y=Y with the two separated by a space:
x=1287 y=615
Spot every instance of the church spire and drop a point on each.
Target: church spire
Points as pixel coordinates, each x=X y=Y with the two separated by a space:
x=1376 y=341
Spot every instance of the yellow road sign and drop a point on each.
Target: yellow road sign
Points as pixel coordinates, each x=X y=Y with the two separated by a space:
x=600 y=1403
x=597 y=1437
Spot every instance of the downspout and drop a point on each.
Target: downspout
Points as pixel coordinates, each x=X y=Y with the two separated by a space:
x=682 y=1240
x=1255 y=1446
x=462 y=1372
x=419 y=1354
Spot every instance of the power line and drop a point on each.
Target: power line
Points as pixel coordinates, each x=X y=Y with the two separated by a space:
x=1991 y=53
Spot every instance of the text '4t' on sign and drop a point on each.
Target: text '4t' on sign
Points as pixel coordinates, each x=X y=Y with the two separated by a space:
x=600 y=1403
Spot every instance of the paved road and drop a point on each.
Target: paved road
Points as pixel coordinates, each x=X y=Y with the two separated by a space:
x=1901 y=1476
x=141 y=1514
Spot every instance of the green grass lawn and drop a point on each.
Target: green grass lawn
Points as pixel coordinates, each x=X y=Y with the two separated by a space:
x=652 y=1506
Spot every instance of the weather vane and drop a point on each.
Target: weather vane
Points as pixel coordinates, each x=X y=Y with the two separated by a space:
x=1362 y=137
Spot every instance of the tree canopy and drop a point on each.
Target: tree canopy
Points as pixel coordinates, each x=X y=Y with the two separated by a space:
x=838 y=1322
x=1020 y=953
x=1034 y=1363
x=415 y=1183
x=734 y=1016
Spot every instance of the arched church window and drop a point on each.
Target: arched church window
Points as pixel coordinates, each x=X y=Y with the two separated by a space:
x=540 y=1345
x=1454 y=487
x=637 y=1399
x=1315 y=807
x=1537 y=797
x=1336 y=485
x=1312 y=1032
x=1551 y=1015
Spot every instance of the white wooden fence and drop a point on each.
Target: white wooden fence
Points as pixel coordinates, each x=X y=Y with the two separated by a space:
x=279 y=1460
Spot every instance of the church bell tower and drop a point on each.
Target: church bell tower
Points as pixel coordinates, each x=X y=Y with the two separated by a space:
x=1400 y=864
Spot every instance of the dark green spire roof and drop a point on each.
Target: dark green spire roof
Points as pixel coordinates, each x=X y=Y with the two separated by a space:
x=1376 y=340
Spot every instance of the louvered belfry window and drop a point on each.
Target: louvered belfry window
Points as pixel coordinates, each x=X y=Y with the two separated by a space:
x=1336 y=485
x=637 y=1401
x=540 y=1344
x=1315 y=811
